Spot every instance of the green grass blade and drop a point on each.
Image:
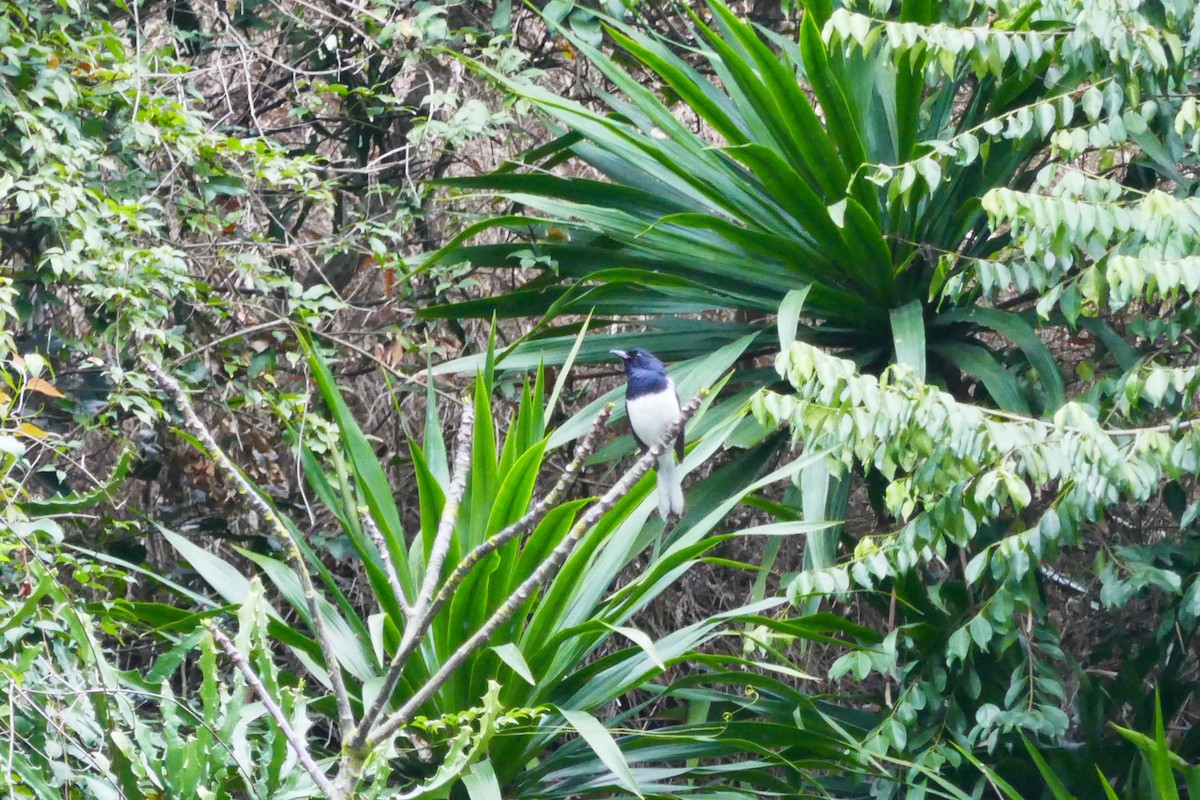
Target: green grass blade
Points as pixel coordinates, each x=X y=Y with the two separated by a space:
x=568 y=362
x=870 y=251
x=691 y=87
x=910 y=80
x=367 y=471
x=484 y=477
x=789 y=316
x=796 y=197
x=778 y=93
x=1110 y=793
x=481 y=783
x=816 y=481
x=433 y=445
x=843 y=127
x=218 y=573
x=1053 y=782
x=605 y=747
x=1160 y=756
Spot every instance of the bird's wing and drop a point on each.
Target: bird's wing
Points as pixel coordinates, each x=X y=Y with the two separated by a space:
x=679 y=438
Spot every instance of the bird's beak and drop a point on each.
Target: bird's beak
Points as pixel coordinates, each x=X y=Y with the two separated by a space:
x=621 y=354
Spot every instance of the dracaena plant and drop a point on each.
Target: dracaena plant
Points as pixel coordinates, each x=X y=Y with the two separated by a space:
x=820 y=165
x=490 y=613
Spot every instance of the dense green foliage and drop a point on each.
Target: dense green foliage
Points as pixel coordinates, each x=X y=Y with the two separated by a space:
x=971 y=168
x=929 y=270
x=542 y=658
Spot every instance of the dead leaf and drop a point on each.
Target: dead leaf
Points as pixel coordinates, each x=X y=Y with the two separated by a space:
x=42 y=387
x=31 y=430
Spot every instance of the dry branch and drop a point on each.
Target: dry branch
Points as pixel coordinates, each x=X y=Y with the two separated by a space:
x=275 y=522
x=260 y=691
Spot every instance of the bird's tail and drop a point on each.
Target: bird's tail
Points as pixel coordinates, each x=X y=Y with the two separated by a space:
x=670 y=487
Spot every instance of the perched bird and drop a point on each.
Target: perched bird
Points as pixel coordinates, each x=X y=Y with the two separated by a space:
x=652 y=405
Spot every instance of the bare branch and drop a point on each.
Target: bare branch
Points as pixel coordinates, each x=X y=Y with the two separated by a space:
x=264 y=696
x=420 y=617
x=385 y=556
x=454 y=496
x=273 y=520
x=523 y=592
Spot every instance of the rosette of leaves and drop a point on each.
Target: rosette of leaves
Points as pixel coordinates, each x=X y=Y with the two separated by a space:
x=569 y=649
x=812 y=165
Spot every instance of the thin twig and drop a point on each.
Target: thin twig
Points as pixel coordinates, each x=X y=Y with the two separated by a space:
x=247 y=490
x=523 y=592
x=238 y=334
x=383 y=365
x=385 y=556
x=1170 y=427
x=264 y=696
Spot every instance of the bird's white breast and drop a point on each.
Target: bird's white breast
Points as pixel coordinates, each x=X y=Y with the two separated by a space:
x=651 y=414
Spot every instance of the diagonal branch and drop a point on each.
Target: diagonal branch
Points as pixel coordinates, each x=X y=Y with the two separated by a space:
x=523 y=592
x=260 y=691
x=385 y=556
x=273 y=520
x=420 y=618
x=454 y=496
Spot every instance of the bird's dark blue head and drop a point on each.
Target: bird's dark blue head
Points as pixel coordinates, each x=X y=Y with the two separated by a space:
x=645 y=372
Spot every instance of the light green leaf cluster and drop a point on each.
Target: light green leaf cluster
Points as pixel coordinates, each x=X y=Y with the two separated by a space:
x=1187 y=123
x=1160 y=388
x=1117 y=85
x=1129 y=248
x=1049 y=118
x=988 y=50
x=1151 y=278
x=931 y=447
x=954 y=469
x=1119 y=35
